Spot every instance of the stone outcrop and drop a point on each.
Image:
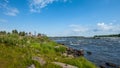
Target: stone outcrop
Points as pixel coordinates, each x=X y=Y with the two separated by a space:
x=74 y=52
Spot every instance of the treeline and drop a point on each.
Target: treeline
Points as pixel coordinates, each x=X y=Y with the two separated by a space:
x=19 y=38
x=112 y=35
x=21 y=33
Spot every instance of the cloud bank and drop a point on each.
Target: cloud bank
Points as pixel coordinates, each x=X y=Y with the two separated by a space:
x=97 y=29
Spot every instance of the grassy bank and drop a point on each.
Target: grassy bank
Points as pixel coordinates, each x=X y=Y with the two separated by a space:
x=18 y=51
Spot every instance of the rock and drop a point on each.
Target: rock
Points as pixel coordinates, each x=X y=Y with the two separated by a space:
x=75 y=53
x=80 y=52
x=63 y=44
x=102 y=66
x=65 y=54
x=89 y=53
x=40 y=60
x=71 y=56
x=110 y=64
x=70 y=51
x=32 y=66
x=63 y=65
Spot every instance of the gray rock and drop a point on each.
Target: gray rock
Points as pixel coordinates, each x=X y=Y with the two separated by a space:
x=63 y=65
x=110 y=64
x=32 y=66
x=40 y=60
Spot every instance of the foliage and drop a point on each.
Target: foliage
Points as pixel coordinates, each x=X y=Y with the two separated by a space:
x=22 y=33
x=2 y=32
x=15 y=31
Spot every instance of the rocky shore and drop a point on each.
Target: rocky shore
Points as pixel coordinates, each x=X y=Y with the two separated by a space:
x=77 y=53
x=74 y=52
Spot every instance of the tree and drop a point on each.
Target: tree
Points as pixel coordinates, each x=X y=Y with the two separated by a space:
x=118 y=35
x=2 y=32
x=39 y=35
x=15 y=31
x=8 y=33
x=26 y=34
x=30 y=34
x=22 y=33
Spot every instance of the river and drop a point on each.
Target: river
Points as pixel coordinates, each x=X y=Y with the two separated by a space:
x=102 y=50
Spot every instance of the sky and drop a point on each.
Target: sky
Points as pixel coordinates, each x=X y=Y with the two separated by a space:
x=61 y=17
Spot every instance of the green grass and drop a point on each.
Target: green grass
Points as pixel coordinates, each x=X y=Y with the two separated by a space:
x=80 y=62
x=17 y=52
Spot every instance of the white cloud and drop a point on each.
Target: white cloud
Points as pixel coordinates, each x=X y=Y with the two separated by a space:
x=37 y=5
x=106 y=27
x=3 y=21
x=8 y=10
x=11 y=11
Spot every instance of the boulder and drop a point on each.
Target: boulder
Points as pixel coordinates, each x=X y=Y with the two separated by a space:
x=102 y=66
x=70 y=56
x=89 y=53
x=40 y=60
x=80 y=52
x=64 y=65
x=32 y=66
x=70 y=51
x=65 y=54
x=110 y=64
x=74 y=52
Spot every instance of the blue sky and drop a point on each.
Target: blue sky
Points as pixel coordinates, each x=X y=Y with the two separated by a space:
x=61 y=17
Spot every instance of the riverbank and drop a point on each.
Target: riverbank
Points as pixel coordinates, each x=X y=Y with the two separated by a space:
x=36 y=52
